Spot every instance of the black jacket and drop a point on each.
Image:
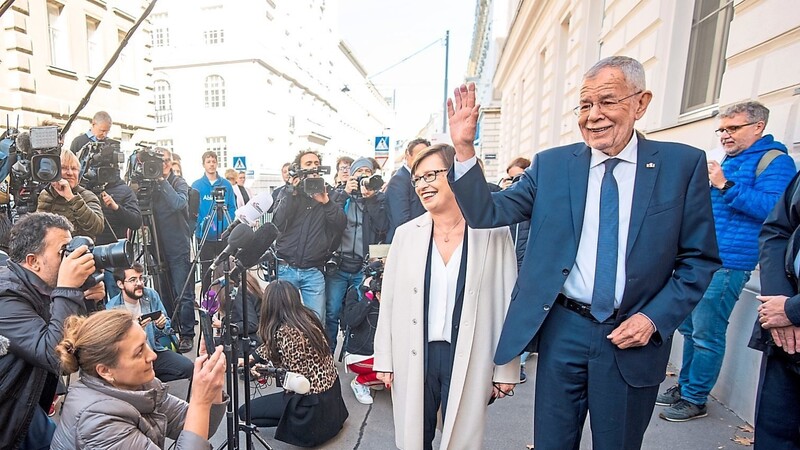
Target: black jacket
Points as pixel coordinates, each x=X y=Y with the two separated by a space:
x=78 y=143
x=359 y=319
x=170 y=201
x=779 y=242
x=401 y=201
x=32 y=318
x=308 y=228
x=374 y=223
x=126 y=217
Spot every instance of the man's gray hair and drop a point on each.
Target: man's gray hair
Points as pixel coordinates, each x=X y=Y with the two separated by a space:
x=101 y=117
x=631 y=69
x=755 y=112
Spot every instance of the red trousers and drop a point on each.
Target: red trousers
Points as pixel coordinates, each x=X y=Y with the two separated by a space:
x=366 y=375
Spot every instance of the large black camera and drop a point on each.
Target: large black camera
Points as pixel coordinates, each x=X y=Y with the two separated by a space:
x=147 y=165
x=313 y=185
x=118 y=254
x=33 y=159
x=375 y=270
x=100 y=163
x=218 y=194
x=372 y=183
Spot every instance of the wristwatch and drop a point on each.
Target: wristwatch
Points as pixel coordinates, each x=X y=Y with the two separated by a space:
x=728 y=184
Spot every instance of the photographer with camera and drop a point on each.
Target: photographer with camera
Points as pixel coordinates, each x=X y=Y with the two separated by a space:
x=364 y=206
x=310 y=223
x=170 y=209
x=145 y=305
x=39 y=289
x=360 y=319
x=216 y=194
x=66 y=197
x=101 y=125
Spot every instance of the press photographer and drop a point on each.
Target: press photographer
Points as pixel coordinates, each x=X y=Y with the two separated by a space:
x=364 y=206
x=39 y=289
x=310 y=223
x=294 y=341
x=101 y=125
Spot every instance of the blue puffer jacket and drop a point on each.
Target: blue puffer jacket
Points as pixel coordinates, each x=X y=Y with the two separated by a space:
x=205 y=188
x=740 y=210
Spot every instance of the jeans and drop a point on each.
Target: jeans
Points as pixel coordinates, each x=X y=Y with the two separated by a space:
x=40 y=431
x=111 y=286
x=179 y=268
x=704 y=334
x=336 y=285
x=310 y=282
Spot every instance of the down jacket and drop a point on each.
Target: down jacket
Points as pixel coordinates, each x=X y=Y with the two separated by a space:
x=97 y=415
x=83 y=211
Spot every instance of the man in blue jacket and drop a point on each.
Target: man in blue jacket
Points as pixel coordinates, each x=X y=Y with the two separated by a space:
x=744 y=188
x=402 y=203
x=208 y=225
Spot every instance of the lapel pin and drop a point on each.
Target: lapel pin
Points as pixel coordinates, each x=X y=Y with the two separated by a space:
x=650 y=165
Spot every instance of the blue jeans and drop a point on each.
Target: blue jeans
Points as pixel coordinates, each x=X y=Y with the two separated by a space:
x=40 y=431
x=111 y=286
x=336 y=285
x=704 y=334
x=311 y=283
x=179 y=268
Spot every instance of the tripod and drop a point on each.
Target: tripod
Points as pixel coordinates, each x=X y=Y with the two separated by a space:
x=149 y=245
x=233 y=349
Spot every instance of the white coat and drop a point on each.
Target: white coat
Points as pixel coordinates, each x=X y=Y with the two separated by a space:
x=491 y=273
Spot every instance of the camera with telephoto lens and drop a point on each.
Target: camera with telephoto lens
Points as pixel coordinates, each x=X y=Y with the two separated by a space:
x=372 y=183
x=375 y=270
x=118 y=254
x=100 y=163
x=310 y=185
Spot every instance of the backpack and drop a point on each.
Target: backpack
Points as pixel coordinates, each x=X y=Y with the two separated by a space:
x=766 y=159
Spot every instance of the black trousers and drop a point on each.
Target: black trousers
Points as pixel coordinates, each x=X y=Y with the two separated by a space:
x=170 y=366
x=265 y=411
x=778 y=412
x=208 y=252
x=437 y=387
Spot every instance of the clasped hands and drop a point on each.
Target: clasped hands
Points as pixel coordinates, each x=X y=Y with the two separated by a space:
x=772 y=317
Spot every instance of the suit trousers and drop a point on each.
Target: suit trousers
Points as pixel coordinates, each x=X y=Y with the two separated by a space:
x=437 y=387
x=577 y=373
x=777 y=413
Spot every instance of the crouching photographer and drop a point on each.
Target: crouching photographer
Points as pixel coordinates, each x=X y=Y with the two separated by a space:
x=360 y=320
x=118 y=403
x=39 y=289
x=294 y=341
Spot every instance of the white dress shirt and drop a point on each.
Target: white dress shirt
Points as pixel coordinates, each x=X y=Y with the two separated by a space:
x=442 y=295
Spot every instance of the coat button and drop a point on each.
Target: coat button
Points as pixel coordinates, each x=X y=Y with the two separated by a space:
x=414 y=321
x=471 y=292
x=546 y=307
x=565 y=272
x=414 y=352
x=415 y=290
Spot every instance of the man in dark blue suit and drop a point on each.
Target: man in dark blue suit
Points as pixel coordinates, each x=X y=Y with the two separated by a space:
x=402 y=203
x=624 y=237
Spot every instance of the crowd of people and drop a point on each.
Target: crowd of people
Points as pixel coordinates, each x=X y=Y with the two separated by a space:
x=436 y=285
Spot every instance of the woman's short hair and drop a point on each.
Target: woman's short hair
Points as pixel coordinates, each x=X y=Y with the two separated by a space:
x=231 y=174
x=93 y=340
x=444 y=151
x=68 y=157
x=521 y=162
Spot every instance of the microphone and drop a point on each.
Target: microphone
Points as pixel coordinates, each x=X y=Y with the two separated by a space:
x=4 y=344
x=24 y=143
x=262 y=239
x=291 y=381
x=240 y=237
x=250 y=212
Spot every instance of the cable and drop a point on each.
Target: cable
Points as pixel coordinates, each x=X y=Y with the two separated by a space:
x=405 y=59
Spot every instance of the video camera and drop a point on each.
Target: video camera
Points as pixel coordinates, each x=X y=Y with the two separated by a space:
x=313 y=185
x=147 y=165
x=118 y=254
x=33 y=159
x=100 y=163
x=218 y=194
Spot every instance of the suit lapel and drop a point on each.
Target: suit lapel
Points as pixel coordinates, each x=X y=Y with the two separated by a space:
x=647 y=167
x=578 y=183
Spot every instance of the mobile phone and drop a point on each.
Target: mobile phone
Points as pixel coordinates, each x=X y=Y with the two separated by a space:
x=207 y=331
x=153 y=316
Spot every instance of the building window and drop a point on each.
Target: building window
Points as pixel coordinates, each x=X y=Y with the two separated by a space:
x=213 y=37
x=218 y=145
x=160 y=34
x=215 y=91
x=706 y=61
x=165 y=143
x=59 y=38
x=126 y=62
x=163 y=101
x=94 y=46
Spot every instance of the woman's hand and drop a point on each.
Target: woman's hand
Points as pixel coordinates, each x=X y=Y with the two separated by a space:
x=500 y=390
x=209 y=376
x=386 y=378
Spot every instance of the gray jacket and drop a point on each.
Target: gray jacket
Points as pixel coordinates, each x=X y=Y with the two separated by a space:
x=97 y=415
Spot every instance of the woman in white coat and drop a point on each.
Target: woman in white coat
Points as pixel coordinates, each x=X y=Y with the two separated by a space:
x=445 y=293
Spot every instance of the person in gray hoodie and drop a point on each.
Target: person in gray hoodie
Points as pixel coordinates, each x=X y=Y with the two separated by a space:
x=118 y=403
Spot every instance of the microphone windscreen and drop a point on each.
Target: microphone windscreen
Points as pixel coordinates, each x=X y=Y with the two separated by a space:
x=296 y=383
x=24 y=142
x=262 y=239
x=240 y=237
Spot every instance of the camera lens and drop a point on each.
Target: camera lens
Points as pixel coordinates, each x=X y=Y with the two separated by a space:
x=118 y=254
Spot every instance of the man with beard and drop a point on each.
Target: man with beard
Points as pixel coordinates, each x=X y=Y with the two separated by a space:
x=140 y=301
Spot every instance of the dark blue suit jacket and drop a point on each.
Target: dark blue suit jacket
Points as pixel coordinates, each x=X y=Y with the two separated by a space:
x=402 y=203
x=671 y=249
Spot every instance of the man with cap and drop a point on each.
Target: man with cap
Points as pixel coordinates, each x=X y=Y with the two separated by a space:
x=364 y=206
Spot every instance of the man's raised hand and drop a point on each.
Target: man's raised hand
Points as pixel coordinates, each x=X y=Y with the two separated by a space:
x=463 y=114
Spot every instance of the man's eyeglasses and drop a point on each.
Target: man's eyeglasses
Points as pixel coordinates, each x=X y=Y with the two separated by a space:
x=608 y=104
x=732 y=129
x=344 y=169
x=132 y=280
x=429 y=177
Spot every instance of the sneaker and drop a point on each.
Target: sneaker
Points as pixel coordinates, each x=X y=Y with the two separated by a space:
x=669 y=397
x=682 y=411
x=376 y=387
x=522 y=376
x=361 y=392
x=186 y=344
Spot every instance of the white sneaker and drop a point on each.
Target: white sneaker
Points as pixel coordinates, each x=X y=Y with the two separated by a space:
x=361 y=392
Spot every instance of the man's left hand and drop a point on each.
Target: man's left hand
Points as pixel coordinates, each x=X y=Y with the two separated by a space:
x=161 y=322
x=635 y=331
x=715 y=175
x=772 y=312
x=322 y=198
x=787 y=338
x=109 y=201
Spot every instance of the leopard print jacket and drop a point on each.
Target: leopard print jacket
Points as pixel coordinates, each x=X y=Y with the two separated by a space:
x=297 y=356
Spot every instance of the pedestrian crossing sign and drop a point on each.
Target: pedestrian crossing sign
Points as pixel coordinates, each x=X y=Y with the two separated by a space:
x=381 y=144
x=239 y=163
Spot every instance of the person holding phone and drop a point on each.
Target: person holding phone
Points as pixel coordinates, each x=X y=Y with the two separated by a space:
x=145 y=305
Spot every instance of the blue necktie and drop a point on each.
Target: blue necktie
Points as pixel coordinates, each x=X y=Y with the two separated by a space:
x=605 y=275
